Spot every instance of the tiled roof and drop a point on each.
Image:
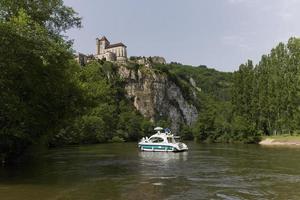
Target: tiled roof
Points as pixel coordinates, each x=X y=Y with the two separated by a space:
x=103 y=38
x=120 y=44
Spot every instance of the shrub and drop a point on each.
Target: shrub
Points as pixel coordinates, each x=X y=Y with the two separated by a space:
x=117 y=139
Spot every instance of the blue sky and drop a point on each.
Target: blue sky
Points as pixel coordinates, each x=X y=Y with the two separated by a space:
x=218 y=33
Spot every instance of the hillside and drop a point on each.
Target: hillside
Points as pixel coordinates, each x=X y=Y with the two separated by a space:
x=196 y=102
x=125 y=101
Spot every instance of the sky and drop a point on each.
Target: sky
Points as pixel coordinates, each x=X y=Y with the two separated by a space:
x=221 y=34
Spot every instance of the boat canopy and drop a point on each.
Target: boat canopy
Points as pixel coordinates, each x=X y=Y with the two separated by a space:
x=167 y=130
x=158 y=129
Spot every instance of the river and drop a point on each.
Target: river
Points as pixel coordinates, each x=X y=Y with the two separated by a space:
x=120 y=171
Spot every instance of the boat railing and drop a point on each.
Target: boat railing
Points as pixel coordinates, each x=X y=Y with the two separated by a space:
x=145 y=139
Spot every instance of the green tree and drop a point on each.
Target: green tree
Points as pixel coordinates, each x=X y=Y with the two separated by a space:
x=38 y=91
x=51 y=14
x=268 y=95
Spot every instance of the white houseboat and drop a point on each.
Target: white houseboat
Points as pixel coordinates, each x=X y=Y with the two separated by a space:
x=163 y=140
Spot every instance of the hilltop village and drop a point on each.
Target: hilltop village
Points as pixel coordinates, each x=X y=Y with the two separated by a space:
x=116 y=53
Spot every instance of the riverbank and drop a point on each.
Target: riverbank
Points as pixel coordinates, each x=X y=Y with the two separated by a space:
x=289 y=140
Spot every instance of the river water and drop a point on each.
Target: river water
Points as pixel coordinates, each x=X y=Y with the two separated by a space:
x=120 y=171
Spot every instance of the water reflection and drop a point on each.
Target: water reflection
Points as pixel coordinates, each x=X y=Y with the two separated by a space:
x=161 y=165
x=163 y=157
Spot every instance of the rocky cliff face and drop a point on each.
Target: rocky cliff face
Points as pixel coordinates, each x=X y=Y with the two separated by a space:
x=155 y=96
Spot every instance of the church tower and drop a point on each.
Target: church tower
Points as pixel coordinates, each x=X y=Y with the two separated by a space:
x=101 y=45
x=111 y=52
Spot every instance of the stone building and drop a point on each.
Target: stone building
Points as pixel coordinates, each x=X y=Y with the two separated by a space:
x=83 y=59
x=111 y=52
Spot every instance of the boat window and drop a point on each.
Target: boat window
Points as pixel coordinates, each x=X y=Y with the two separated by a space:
x=170 y=140
x=177 y=139
x=156 y=140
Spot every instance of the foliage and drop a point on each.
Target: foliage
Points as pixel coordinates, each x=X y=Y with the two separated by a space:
x=117 y=139
x=216 y=122
x=265 y=100
x=108 y=114
x=51 y=14
x=209 y=81
x=267 y=95
x=38 y=93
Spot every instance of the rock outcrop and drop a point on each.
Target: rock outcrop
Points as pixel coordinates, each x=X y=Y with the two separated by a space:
x=148 y=60
x=155 y=96
x=158 y=59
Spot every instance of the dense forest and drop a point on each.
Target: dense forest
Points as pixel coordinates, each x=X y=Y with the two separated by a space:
x=47 y=98
x=108 y=115
x=265 y=100
x=266 y=96
x=39 y=93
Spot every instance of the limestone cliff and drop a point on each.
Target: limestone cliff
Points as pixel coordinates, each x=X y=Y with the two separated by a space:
x=155 y=96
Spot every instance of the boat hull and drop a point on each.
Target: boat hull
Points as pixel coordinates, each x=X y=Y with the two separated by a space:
x=160 y=148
